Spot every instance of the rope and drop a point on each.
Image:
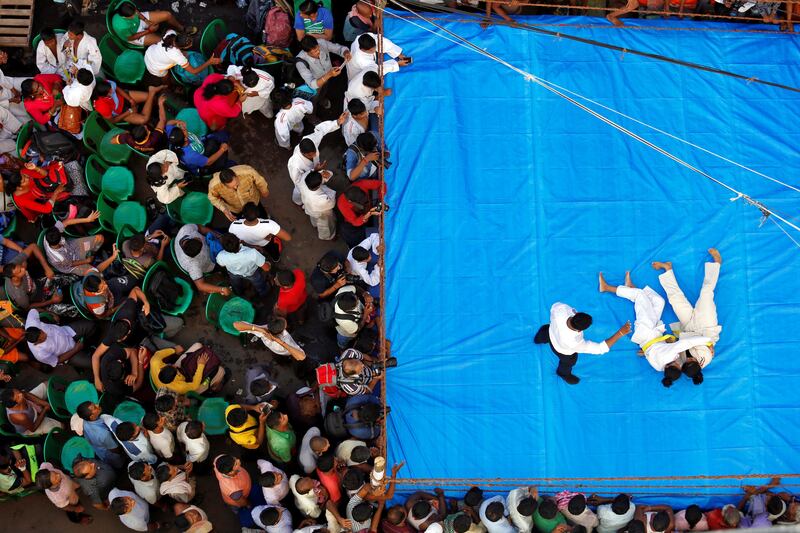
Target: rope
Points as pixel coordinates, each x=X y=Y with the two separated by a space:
x=531 y=480
x=465 y=43
x=383 y=444
x=545 y=24
x=649 y=55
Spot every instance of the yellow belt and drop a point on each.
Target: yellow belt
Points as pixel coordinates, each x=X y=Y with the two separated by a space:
x=648 y=344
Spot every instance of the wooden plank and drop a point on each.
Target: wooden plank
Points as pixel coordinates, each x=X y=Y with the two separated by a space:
x=20 y=3
x=24 y=12
x=15 y=22
x=19 y=42
x=13 y=31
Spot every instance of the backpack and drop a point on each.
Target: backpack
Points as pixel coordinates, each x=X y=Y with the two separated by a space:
x=237 y=50
x=256 y=12
x=55 y=145
x=277 y=28
x=152 y=323
x=165 y=290
x=327 y=312
x=326 y=377
x=336 y=425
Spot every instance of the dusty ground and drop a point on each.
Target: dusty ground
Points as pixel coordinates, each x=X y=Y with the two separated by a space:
x=252 y=143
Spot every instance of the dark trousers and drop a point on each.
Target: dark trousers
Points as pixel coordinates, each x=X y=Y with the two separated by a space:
x=258 y=280
x=565 y=362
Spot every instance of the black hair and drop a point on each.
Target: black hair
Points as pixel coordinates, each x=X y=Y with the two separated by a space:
x=225 y=463
x=116 y=370
x=577 y=504
x=154 y=176
x=150 y=421
x=92 y=283
x=367 y=141
x=273 y=419
x=101 y=88
x=281 y=98
x=191 y=246
x=84 y=77
x=307 y=146
x=309 y=7
x=548 y=509
x=370 y=413
x=227 y=175
x=581 y=321
x=118 y=506
x=347 y=301
x=83 y=410
x=140 y=133
x=137 y=242
x=176 y=137
x=250 y=211
x=661 y=521
x=462 y=523
x=52 y=236
x=325 y=462
x=180 y=41
x=308 y=43
x=526 y=506
x=371 y=79
x=167 y=374
x=474 y=496
x=127 y=10
x=194 y=429
x=634 y=526
x=693 y=515
x=353 y=479
x=276 y=326
x=43 y=479
x=230 y=243
x=360 y=454
x=698 y=379
x=259 y=387
x=361 y=254
x=313 y=180
x=136 y=469
x=220 y=88
x=163 y=473
x=47 y=34
x=119 y=330
x=26 y=88
x=182 y=523
x=236 y=417
x=621 y=504
x=76 y=26
x=366 y=42
x=691 y=368
x=285 y=278
x=32 y=334
x=270 y=516
x=356 y=106
x=495 y=511
x=363 y=512
x=267 y=479
x=775 y=505
x=329 y=261
x=366 y=340
x=7 y=398
x=421 y=509
x=671 y=375
x=125 y=431
x=249 y=77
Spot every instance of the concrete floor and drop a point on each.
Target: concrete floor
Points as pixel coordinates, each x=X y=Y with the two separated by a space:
x=252 y=143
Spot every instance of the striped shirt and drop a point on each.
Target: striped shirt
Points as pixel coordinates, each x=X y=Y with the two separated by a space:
x=357 y=384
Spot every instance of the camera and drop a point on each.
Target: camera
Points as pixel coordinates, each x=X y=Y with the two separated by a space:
x=352 y=278
x=390 y=362
x=380 y=206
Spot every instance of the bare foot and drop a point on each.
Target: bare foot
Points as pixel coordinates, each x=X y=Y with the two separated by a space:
x=628 y=281
x=715 y=254
x=615 y=21
x=661 y=265
x=604 y=287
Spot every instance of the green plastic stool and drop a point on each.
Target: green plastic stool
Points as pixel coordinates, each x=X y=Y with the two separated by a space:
x=196 y=208
x=129 y=66
x=212 y=414
x=72 y=449
x=53 y=445
x=235 y=310
x=79 y=392
x=131 y=214
x=117 y=184
x=194 y=123
x=129 y=411
x=23 y=135
x=114 y=153
x=213 y=34
x=56 y=396
x=95 y=168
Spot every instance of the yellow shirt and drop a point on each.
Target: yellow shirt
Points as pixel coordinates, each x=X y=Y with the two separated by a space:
x=179 y=384
x=245 y=435
x=251 y=187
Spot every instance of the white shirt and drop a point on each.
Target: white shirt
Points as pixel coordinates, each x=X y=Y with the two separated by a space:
x=568 y=341
x=276 y=348
x=306 y=503
x=256 y=235
x=264 y=87
x=360 y=60
x=59 y=339
x=501 y=526
x=196 y=449
x=306 y=456
x=319 y=202
x=662 y=353
x=610 y=522
x=298 y=165
x=284 y=524
x=200 y=264
x=523 y=523
x=313 y=68
x=371 y=244
x=279 y=491
x=169 y=191
x=290 y=119
x=345 y=448
x=351 y=129
x=139 y=449
x=46 y=61
x=88 y=53
x=78 y=95
x=345 y=326
x=159 y=60
x=163 y=443
x=137 y=518
x=357 y=89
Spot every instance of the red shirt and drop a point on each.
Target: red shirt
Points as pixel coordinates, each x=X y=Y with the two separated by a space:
x=330 y=480
x=39 y=108
x=291 y=299
x=346 y=208
x=388 y=527
x=216 y=111
x=715 y=520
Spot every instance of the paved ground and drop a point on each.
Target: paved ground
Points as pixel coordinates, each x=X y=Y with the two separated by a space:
x=252 y=143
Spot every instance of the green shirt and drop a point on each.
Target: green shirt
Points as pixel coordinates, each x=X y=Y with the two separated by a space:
x=124 y=27
x=281 y=444
x=544 y=525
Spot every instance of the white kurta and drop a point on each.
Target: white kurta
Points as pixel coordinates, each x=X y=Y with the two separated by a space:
x=78 y=95
x=319 y=206
x=87 y=55
x=264 y=87
x=289 y=120
x=351 y=129
x=169 y=192
x=298 y=165
x=7 y=83
x=699 y=319
x=360 y=60
x=49 y=63
x=371 y=244
x=357 y=89
x=649 y=305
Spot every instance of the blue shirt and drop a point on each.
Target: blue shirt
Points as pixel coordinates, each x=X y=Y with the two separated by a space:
x=351 y=159
x=191 y=155
x=98 y=434
x=243 y=263
x=324 y=21
x=360 y=430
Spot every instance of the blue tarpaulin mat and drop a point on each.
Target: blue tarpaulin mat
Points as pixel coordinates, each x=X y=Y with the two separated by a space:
x=506 y=198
